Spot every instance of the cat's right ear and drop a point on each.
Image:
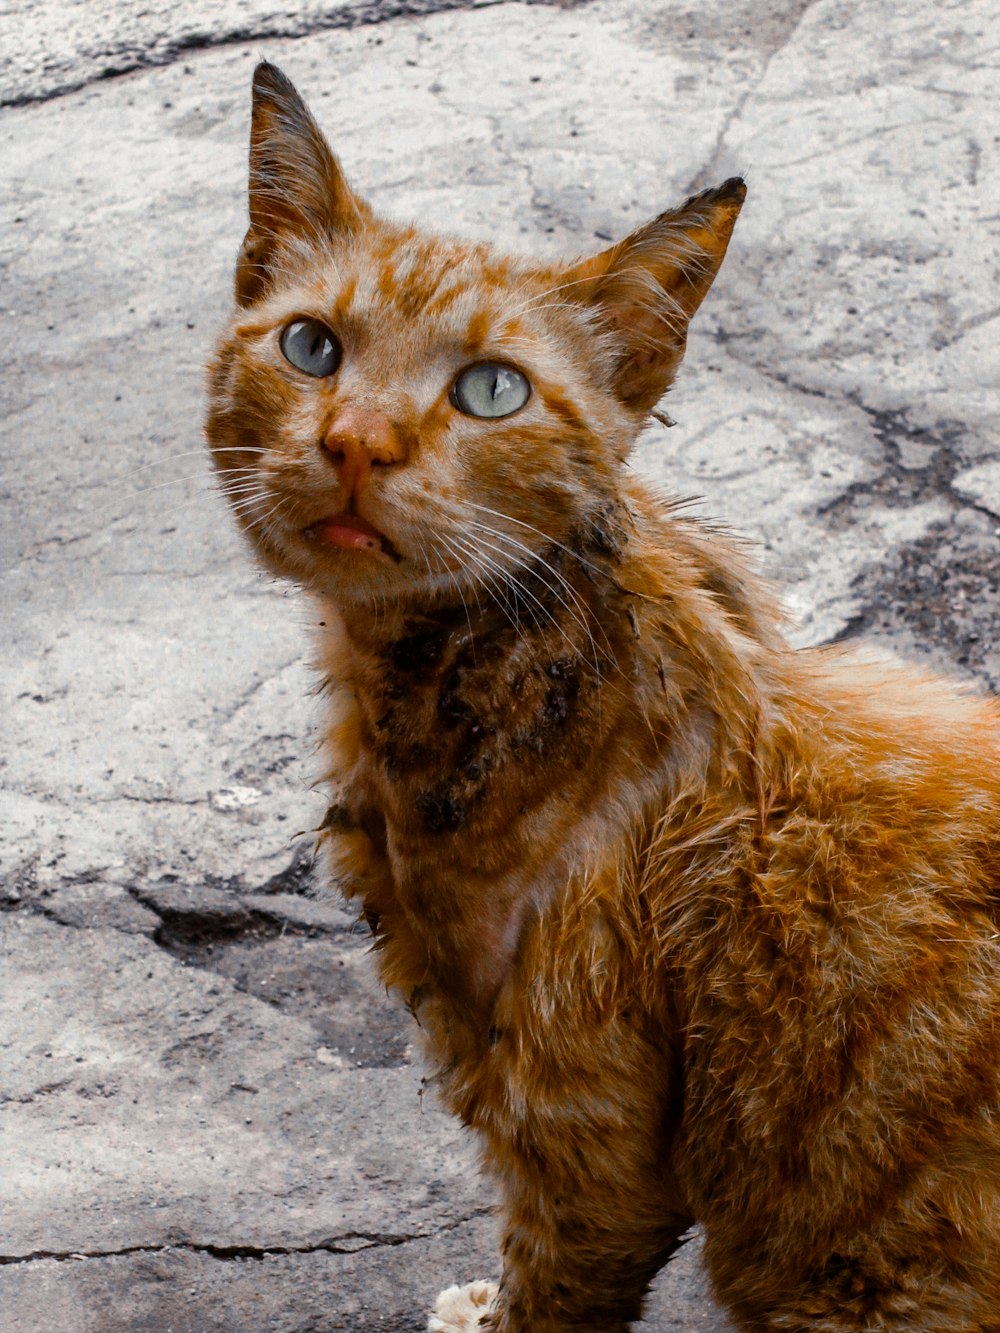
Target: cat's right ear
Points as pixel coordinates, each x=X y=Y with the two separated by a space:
x=645 y=289
x=298 y=191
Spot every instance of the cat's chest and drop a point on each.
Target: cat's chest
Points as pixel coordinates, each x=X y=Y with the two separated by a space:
x=475 y=755
x=464 y=734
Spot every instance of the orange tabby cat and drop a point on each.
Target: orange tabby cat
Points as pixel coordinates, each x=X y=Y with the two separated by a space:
x=696 y=927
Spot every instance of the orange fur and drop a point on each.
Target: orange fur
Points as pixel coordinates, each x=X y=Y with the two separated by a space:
x=695 y=927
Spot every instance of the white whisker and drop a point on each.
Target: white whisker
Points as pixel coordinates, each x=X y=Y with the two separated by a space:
x=551 y=541
x=495 y=590
x=577 y=613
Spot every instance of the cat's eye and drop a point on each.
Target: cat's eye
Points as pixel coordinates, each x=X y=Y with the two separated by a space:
x=310 y=347
x=490 y=389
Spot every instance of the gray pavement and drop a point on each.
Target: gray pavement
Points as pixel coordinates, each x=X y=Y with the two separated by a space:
x=209 y=1114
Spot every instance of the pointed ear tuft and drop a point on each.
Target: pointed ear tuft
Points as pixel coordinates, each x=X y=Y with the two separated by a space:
x=646 y=288
x=297 y=188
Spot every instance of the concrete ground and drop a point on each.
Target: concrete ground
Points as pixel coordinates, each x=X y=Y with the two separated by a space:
x=209 y=1114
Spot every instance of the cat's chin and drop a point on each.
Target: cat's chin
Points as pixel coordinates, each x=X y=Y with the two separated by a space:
x=348 y=566
x=351 y=532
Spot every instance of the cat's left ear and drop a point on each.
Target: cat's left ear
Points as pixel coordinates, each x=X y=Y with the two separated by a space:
x=298 y=190
x=646 y=288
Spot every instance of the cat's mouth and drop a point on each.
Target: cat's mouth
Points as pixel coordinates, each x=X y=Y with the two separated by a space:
x=352 y=533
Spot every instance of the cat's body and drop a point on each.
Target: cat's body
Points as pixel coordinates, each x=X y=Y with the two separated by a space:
x=695 y=927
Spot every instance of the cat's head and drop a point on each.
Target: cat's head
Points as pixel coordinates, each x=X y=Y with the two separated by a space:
x=400 y=415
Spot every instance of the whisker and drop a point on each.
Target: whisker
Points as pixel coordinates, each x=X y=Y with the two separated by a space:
x=249 y=501
x=242 y=486
x=584 y=618
x=551 y=541
x=159 y=485
x=508 y=577
x=162 y=462
x=465 y=606
x=468 y=555
x=161 y=514
x=259 y=522
x=577 y=613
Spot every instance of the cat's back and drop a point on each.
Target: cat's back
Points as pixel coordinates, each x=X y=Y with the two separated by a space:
x=897 y=705
x=842 y=985
x=905 y=765
x=870 y=828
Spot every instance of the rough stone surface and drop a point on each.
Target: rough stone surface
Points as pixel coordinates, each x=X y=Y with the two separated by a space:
x=210 y=1115
x=48 y=47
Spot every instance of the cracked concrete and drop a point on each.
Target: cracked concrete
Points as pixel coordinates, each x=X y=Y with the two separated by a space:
x=348 y=1243
x=211 y=1115
x=58 y=48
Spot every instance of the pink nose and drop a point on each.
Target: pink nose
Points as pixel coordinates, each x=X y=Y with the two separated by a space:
x=358 y=439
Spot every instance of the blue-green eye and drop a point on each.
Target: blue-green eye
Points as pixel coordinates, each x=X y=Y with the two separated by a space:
x=310 y=347
x=490 y=389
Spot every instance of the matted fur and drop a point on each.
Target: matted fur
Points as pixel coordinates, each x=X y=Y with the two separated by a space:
x=695 y=927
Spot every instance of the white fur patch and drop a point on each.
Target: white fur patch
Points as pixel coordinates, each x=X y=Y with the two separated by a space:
x=459 y=1309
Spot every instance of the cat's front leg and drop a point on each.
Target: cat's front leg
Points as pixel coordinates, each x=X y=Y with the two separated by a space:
x=594 y=1279
x=570 y=1263
x=588 y=1220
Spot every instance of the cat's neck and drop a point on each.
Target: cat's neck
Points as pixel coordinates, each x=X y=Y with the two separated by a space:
x=502 y=742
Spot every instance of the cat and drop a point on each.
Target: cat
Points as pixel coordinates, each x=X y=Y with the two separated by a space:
x=697 y=928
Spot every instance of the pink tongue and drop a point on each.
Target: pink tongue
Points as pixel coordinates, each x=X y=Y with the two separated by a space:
x=351 y=532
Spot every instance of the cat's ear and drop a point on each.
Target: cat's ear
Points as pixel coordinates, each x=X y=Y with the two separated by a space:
x=297 y=188
x=646 y=288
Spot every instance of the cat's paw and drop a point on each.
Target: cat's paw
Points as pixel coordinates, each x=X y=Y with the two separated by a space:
x=459 y=1309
